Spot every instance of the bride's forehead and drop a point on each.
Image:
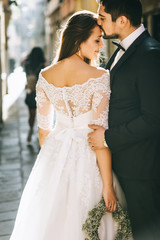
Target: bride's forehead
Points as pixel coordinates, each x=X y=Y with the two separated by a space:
x=96 y=31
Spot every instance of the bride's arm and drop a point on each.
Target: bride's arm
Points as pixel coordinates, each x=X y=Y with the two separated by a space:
x=100 y=106
x=42 y=134
x=105 y=167
x=44 y=113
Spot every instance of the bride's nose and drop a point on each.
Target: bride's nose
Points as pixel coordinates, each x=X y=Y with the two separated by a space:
x=101 y=44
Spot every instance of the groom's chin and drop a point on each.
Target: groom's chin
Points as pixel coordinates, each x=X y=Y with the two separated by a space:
x=114 y=36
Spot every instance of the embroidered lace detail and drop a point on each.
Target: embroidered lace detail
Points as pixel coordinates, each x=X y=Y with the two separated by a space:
x=100 y=104
x=41 y=96
x=103 y=119
x=45 y=122
x=73 y=101
x=96 y=100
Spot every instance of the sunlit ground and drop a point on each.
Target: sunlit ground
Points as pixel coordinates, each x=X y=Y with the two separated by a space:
x=16 y=85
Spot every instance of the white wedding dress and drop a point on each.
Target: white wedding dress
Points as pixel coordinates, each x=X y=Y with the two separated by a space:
x=65 y=182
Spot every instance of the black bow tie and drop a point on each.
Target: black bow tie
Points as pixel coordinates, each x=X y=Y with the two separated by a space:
x=118 y=45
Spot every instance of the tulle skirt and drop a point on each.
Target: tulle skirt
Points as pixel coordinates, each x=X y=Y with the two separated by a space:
x=64 y=185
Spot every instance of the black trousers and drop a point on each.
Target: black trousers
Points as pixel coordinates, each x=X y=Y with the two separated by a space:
x=143 y=199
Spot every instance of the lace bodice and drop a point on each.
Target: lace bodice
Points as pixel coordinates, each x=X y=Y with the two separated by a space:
x=93 y=95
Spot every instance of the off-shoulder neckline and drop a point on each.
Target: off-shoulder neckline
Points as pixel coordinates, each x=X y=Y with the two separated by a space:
x=77 y=84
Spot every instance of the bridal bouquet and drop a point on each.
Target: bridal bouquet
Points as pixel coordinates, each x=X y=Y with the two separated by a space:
x=92 y=223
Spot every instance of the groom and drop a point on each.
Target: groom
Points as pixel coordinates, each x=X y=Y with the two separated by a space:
x=134 y=116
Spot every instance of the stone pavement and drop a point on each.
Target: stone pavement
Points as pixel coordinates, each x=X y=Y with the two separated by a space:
x=16 y=161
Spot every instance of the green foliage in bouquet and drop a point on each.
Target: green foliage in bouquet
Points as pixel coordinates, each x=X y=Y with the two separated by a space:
x=120 y=216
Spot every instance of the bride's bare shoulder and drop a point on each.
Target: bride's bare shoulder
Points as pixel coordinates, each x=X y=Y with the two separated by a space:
x=48 y=71
x=98 y=72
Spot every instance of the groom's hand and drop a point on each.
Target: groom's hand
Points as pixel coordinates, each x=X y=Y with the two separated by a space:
x=96 y=138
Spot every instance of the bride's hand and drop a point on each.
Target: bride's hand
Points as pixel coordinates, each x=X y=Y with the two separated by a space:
x=109 y=198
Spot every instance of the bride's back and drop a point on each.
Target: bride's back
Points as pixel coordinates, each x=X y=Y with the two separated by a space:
x=69 y=72
x=70 y=86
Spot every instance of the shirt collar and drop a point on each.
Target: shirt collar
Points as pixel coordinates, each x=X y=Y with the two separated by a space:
x=132 y=37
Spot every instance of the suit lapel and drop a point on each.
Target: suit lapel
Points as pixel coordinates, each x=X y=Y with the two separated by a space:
x=108 y=65
x=126 y=55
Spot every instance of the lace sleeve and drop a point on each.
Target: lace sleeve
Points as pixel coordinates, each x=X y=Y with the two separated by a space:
x=100 y=101
x=44 y=108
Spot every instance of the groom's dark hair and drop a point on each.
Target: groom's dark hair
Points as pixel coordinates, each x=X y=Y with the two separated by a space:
x=132 y=9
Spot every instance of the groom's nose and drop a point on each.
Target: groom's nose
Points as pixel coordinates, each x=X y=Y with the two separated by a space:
x=99 y=21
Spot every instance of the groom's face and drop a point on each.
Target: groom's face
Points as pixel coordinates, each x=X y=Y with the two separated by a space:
x=109 y=27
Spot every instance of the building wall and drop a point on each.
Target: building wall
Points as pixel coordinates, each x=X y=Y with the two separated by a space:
x=151 y=17
x=5 y=14
x=91 y=5
x=67 y=8
x=56 y=13
x=150 y=6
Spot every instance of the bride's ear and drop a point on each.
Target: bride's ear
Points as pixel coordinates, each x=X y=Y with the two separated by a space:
x=77 y=46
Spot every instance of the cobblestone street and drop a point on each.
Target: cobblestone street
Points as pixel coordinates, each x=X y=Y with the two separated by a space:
x=16 y=160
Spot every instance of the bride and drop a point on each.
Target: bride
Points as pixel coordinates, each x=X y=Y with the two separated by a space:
x=68 y=178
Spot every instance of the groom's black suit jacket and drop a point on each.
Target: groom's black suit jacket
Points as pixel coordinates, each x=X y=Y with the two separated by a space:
x=134 y=114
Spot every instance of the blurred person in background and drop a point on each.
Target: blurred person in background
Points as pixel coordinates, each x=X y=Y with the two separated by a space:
x=34 y=62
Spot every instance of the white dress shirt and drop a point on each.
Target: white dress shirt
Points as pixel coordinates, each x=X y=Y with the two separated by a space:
x=126 y=42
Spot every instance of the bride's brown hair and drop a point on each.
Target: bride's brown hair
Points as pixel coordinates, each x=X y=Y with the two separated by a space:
x=77 y=30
